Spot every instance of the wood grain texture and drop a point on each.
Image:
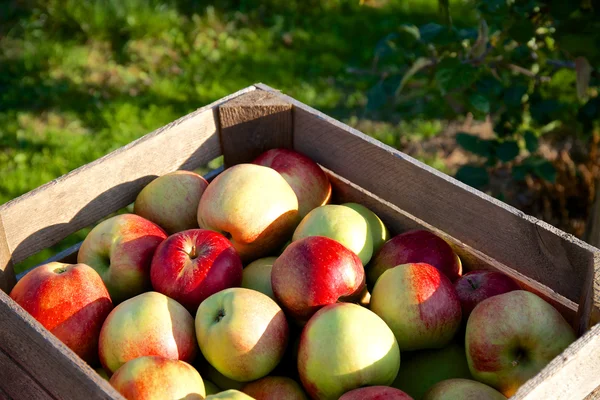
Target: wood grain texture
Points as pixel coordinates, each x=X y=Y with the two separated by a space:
x=93 y=191
x=398 y=221
x=20 y=385
x=523 y=243
x=253 y=123
x=27 y=345
x=571 y=376
x=7 y=270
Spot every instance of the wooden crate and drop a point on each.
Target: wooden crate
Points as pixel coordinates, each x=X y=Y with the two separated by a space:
x=407 y=194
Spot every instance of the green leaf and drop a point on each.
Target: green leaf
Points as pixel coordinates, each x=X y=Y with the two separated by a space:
x=472 y=175
x=480 y=102
x=519 y=172
x=522 y=31
x=474 y=144
x=410 y=31
x=376 y=97
x=418 y=65
x=546 y=171
x=514 y=95
x=429 y=32
x=507 y=150
x=452 y=75
x=531 y=142
x=545 y=111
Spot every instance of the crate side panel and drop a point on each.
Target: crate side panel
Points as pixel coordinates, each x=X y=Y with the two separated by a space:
x=55 y=367
x=16 y=383
x=530 y=246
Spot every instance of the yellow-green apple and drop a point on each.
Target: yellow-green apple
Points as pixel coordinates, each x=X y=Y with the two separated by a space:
x=275 y=388
x=475 y=286
x=230 y=394
x=419 y=304
x=211 y=388
x=160 y=378
x=462 y=389
x=257 y=276
x=171 y=200
x=253 y=206
x=378 y=230
x=191 y=265
x=102 y=372
x=345 y=346
x=120 y=249
x=147 y=324
x=306 y=178
x=313 y=272
x=511 y=337
x=422 y=369
x=210 y=372
x=415 y=247
x=242 y=333
x=376 y=393
x=340 y=223
x=70 y=300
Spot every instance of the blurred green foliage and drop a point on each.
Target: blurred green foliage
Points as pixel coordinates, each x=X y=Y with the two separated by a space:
x=79 y=79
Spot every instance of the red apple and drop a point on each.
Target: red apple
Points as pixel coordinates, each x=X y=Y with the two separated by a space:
x=376 y=393
x=191 y=265
x=70 y=301
x=275 y=388
x=242 y=333
x=306 y=178
x=145 y=325
x=511 y=337
x=171 y=200
x=415 y=247
x=419 y=304
x=120 y=249
x=314 y=272
x=475 y=286
x=154 y=377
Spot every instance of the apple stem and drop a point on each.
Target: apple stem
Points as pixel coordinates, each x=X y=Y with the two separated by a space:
x=471 y=283
x=193 y=252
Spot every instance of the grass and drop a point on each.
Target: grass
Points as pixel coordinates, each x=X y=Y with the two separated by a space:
x=80 y=79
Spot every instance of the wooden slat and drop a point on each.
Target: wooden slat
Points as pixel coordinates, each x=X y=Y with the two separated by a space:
x=7 y=270
x=20 y=385
x=46 y=215
x=571 y=376
x=399 y=221
x=253 y=123
x=27 y=345
x=523 y=243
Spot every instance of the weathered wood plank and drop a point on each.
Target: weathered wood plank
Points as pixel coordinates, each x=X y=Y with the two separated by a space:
x=55 y=367
x=530 y=246
x=7 y=270
x=253 y=123
x=19 y=384
x=571 y=376
x=46 y=215
x=399 y=221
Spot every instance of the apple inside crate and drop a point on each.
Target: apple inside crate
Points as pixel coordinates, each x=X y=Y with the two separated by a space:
x=407 y=195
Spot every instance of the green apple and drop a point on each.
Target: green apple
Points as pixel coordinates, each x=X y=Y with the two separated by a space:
x=257 y=276
x=211 y=388
x=422 y=369
x=345 y=346
x=511 y=337
x=230 y=394
x=253 y=206
x=242 y=333
x=340 y=223
x=171 y=201
x=379 y=232
x=462 y=389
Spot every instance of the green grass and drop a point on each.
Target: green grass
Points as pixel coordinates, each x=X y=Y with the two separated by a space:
x=80 y=79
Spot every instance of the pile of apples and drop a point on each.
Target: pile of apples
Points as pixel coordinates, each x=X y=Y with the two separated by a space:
x=253 y=286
